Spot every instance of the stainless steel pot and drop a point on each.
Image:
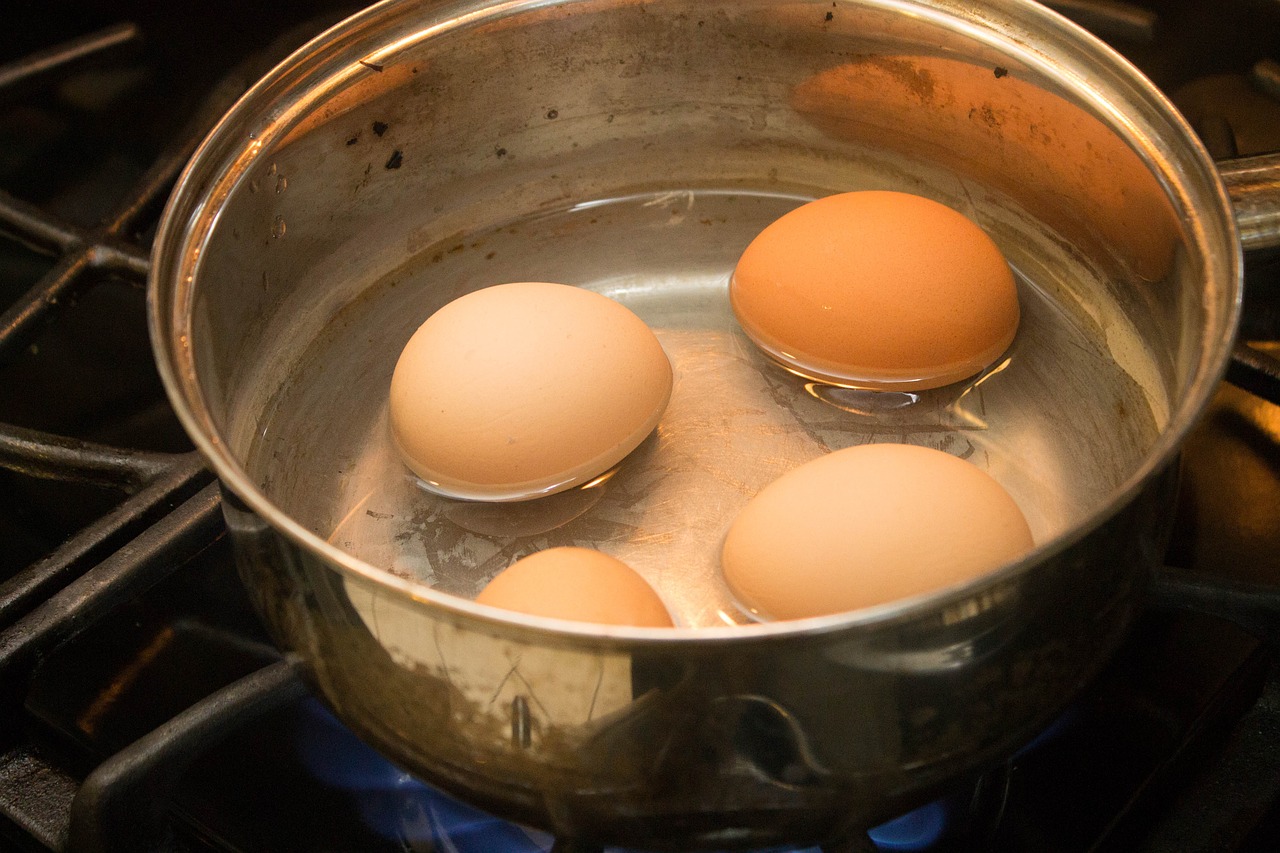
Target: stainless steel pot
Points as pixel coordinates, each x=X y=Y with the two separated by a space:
x=421 y=150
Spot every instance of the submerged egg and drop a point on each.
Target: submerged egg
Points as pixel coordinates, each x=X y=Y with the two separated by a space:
x=868 y=525
x=580 y=584
x=525 y=389
x=876 y=289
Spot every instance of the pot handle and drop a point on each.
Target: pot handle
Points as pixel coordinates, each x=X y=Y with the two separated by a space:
x=1253 y=607
x=1253 y=183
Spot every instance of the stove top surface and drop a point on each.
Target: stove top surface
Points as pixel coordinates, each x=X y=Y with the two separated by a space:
x=1175 y=747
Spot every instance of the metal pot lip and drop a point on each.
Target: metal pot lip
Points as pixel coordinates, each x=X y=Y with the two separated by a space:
x=189 y=203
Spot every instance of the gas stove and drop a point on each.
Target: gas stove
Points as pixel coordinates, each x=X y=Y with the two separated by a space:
x=143 y=708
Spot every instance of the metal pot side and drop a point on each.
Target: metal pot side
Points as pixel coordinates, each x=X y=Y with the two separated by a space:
x=414 y=122
x=735 y=742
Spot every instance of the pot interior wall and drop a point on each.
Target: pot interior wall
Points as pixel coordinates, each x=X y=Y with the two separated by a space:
x=635 y=149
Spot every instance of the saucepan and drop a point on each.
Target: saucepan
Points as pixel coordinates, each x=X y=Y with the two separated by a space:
x=421 y=150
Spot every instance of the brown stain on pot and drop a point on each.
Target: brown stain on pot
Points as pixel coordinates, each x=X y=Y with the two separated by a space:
x=916 y=81
x=1058 y=161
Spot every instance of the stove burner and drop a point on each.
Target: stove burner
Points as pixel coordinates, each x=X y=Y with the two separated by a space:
x=400 y=808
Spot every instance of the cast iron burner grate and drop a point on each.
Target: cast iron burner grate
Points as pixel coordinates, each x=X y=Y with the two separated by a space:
x=162 y=509
x=161 y=532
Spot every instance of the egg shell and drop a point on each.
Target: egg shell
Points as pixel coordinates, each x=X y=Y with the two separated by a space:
x=579 y=584
x=869 y=525
x=525 y=389
x=877 y=289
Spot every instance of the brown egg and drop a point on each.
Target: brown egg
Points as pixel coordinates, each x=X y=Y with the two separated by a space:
x=525 y=389
x=580 y=584
x=869 y=525
x=876 y=290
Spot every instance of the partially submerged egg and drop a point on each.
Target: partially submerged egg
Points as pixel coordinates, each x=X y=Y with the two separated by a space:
x=876 y=289
x=525 y=389
x=868 y=525
x=579 y=584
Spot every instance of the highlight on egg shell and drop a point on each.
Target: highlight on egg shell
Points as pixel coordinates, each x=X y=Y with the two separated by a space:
x=526 y=389
x=578 y=584
x=869 y=525
x=876 y=289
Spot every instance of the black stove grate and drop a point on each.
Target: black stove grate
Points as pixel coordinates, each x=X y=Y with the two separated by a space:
x=121 y=806
x=168 y=514
x=155 y=481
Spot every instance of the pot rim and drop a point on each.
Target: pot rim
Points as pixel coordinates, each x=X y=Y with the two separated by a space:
x=1034 y=35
